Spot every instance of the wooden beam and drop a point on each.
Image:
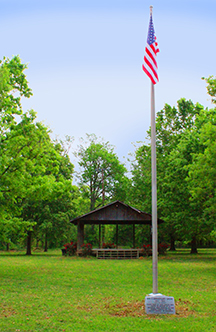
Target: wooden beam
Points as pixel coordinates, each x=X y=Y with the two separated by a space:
x=99 y=236
x=134 y=237
x=116 y=236
x=80 y=235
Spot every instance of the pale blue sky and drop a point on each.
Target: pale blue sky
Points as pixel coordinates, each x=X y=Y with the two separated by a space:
x=85 y=58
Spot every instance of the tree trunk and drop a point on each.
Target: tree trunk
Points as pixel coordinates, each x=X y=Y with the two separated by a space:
x=92 y=208
x=80 y=235
x=37 y=243
x=46 y=244
x=92 y=205
x=194 y=245
x=172 y=243
x=8 y=246
x=29 y=238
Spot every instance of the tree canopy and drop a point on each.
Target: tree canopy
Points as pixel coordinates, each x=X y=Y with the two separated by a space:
x=101 y=173
x=182 y=135
x=34 y=170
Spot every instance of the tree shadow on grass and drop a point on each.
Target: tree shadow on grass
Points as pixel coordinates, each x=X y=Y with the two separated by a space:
x=207 y=256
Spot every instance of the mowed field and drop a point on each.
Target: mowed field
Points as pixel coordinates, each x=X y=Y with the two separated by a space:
x=49 y=292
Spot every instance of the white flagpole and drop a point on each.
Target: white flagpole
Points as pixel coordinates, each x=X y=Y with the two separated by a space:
x=156 y=303
x=154 y=195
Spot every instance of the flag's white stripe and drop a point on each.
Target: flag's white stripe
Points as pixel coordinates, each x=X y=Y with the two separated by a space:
x=150 y=49
x=149 y=65
x=149 y=55
x=152 y=53
x=151 y=62
x=150 y=72
x=149 y=75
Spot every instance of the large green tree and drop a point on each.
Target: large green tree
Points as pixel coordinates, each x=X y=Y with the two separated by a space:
x=174 y=154
x=102 y=178
x=202 y=175
x=101 y=172
x=49 y=193
x=35 y=172
x=13 y=86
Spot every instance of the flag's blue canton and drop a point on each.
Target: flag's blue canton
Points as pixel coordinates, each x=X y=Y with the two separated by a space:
x=151 y=33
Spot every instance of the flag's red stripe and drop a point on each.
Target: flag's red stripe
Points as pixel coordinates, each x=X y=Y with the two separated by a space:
x=150 y=66
x=153 y=49
x=151 y=56
x=149 y=75
x=151 y=72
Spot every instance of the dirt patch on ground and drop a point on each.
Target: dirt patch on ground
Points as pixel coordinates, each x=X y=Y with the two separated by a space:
x=135 y=308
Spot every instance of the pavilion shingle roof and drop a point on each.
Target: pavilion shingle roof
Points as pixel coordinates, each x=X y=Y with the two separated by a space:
x=115 y=213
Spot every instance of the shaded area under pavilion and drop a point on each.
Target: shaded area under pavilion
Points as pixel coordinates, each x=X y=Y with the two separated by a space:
x=116 y=213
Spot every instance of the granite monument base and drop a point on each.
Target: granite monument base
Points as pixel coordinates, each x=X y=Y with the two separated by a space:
x=157 y=304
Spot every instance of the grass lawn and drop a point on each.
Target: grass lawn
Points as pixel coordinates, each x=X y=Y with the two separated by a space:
x=49 y=292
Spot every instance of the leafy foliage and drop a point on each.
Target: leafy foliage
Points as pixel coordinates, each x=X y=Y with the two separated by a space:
x=71 y=248
x=180 y=146
x=102 y=172
x=35 y=172
x=107 y=245
x=211 y=87
x=86 y=249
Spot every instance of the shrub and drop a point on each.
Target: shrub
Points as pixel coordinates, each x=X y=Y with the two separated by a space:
x=71 y=248
x=162 y=248
x=86 y=249
x=108 y=246
x=147 y=249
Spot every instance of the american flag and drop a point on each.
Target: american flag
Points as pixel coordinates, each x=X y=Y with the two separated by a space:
x=150 y=64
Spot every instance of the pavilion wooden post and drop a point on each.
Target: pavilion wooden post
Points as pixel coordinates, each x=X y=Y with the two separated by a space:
x=134 y=238
x=116 y=236
x=80 y=235
x=100 y=236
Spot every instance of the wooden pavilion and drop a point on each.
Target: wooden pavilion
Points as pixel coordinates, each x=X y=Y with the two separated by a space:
x=116 y=213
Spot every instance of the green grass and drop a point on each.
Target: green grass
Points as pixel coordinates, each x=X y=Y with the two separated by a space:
x=48 y=292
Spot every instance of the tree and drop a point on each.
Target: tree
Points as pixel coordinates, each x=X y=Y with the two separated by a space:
x=173 y=196
x=48 y=200
x=202 y=174
x=173 y=155
x=35 y=173
x=13 y=86
x=101 y=172
x=211 y=87
x=102 y=177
